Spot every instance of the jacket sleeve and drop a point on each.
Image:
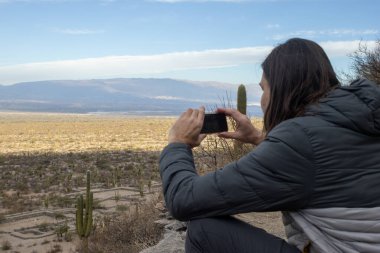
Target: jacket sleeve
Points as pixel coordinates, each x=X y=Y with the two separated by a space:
x=277 y=175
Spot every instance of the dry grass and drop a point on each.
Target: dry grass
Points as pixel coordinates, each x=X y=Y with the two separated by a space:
x=129 y=232
x=42 y=153
x=31 y=181
x=62 y=133
x=44 y=157
x=29 y=132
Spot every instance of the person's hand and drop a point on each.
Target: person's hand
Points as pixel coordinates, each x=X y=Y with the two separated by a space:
x=188 y=127
x=245 y=131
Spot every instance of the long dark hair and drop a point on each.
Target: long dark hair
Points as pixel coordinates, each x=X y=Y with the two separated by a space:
x=299 y=73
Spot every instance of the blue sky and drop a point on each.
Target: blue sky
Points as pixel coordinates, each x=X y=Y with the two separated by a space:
x=214 y=40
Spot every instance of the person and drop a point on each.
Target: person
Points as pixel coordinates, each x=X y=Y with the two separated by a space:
x=317 y=161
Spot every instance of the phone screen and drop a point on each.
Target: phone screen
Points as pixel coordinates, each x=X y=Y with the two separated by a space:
x=214 y=123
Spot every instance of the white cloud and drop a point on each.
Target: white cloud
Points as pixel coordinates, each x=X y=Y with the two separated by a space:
x=343 y=48
x=331 y=32
x=79 y=31
x=122 y=66
x=132 y=66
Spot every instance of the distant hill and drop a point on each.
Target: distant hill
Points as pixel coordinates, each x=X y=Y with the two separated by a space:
x=123 y=95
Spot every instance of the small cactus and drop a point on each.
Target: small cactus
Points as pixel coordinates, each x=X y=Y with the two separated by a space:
x=84 y=222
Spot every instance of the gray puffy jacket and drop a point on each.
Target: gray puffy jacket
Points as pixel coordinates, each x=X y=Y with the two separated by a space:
x=322 y=170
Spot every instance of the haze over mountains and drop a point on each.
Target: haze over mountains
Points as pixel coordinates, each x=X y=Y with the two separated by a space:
x=134 y=96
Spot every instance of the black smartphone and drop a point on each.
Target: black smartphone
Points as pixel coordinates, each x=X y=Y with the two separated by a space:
x=214 y=123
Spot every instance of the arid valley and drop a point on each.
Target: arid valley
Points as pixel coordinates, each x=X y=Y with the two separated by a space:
x=43 y=164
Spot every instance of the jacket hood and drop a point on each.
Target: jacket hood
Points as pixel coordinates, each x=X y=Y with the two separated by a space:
x=356 y=107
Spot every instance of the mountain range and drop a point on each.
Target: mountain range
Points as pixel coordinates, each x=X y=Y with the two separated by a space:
x=135 y=96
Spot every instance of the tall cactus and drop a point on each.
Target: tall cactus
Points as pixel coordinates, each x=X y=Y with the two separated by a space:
x=242 y=108
x=84 y=222
x=242 y=99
